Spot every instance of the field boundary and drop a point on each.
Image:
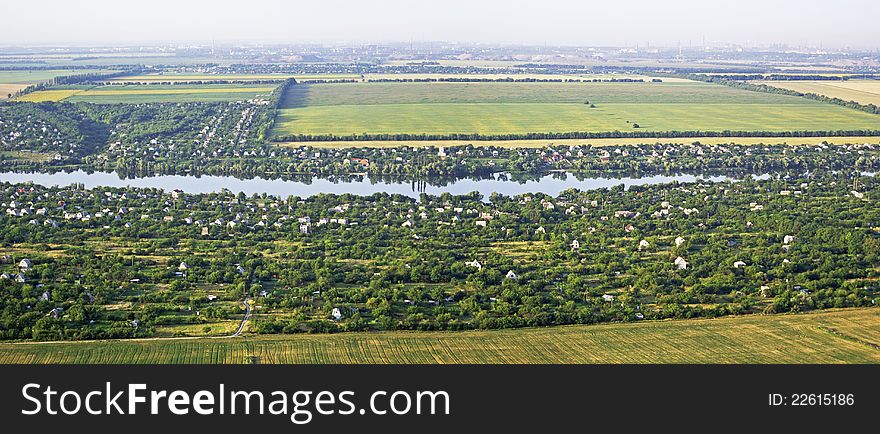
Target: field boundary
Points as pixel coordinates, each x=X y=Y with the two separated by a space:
x=780 y=338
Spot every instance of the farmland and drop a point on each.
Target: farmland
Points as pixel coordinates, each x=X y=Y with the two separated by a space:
x=520 y=108
x=861 y=91
x=189 y=77
x=132 y=94
x=843 y=336
x=41 y=75
x=13 y=81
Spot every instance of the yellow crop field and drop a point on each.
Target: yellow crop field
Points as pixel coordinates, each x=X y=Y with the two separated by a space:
x=835 y=336
x=861 y=91
x=111 y=94
x=49 y=95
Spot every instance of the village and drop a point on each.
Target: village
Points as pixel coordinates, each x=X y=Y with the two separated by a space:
x=329 y=263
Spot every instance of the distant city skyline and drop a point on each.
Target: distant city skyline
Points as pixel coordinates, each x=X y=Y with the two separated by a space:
x=846 y=23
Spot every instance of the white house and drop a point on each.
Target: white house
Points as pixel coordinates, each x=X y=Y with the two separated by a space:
x=608 y=297
x=476 y=264
x=788 y=239
x=679 y=241
x=183 y=266
x=336 y=314
x=644 y=244
x=25 y=264
x=512 y=275
x=575 y=245
x=681 y=263
x=738 y=264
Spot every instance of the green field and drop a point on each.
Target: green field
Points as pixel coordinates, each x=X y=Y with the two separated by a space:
x=840 y=336
x=41 y=75
x=133 y=94
x=13 y=81
x=499 y=108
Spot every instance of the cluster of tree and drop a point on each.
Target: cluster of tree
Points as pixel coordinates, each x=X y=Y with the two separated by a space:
x=787 y=77
x=508 y=80
x=50 y=128
x=129 y=262
x=568 y=135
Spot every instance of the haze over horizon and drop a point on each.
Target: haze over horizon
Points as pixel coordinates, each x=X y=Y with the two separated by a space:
x=848 y=24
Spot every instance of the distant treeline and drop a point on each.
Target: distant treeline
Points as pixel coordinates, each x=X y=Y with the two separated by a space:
x=789 y=77
x=567 y=135
x=507 y=80
x=870 y=108
x=186 y=82
x=92 y=77
x=320 y=81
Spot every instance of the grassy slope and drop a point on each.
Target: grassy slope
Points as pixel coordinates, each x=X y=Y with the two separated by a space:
x=841 y=336
x=498 y=108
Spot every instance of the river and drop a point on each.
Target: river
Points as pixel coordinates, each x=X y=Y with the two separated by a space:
x=499 y=183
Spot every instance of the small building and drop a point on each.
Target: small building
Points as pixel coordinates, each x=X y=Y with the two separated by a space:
x=679 y=241
x=476 y=264
x=608 y=297
x=575 y=245
x=336 y=314
x=680 y=263
x=183 y=266
x=512 y=275
x=739 y=264
x=25 y=264
x=644 y=244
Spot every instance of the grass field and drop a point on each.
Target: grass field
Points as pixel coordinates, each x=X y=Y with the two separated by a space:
x=41 y=75
x=861 y=91
x=151 y=93
x=13 y=81
x=593 y=142
x=840 y=336
x=499 y=108
x=171 y=78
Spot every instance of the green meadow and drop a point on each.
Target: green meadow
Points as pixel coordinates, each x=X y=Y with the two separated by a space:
x=501 y=108
x=41 y=75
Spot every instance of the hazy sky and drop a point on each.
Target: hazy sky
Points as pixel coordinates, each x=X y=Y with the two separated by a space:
x=832 y=23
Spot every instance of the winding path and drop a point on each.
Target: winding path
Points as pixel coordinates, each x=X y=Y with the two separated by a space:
x=247 y=315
